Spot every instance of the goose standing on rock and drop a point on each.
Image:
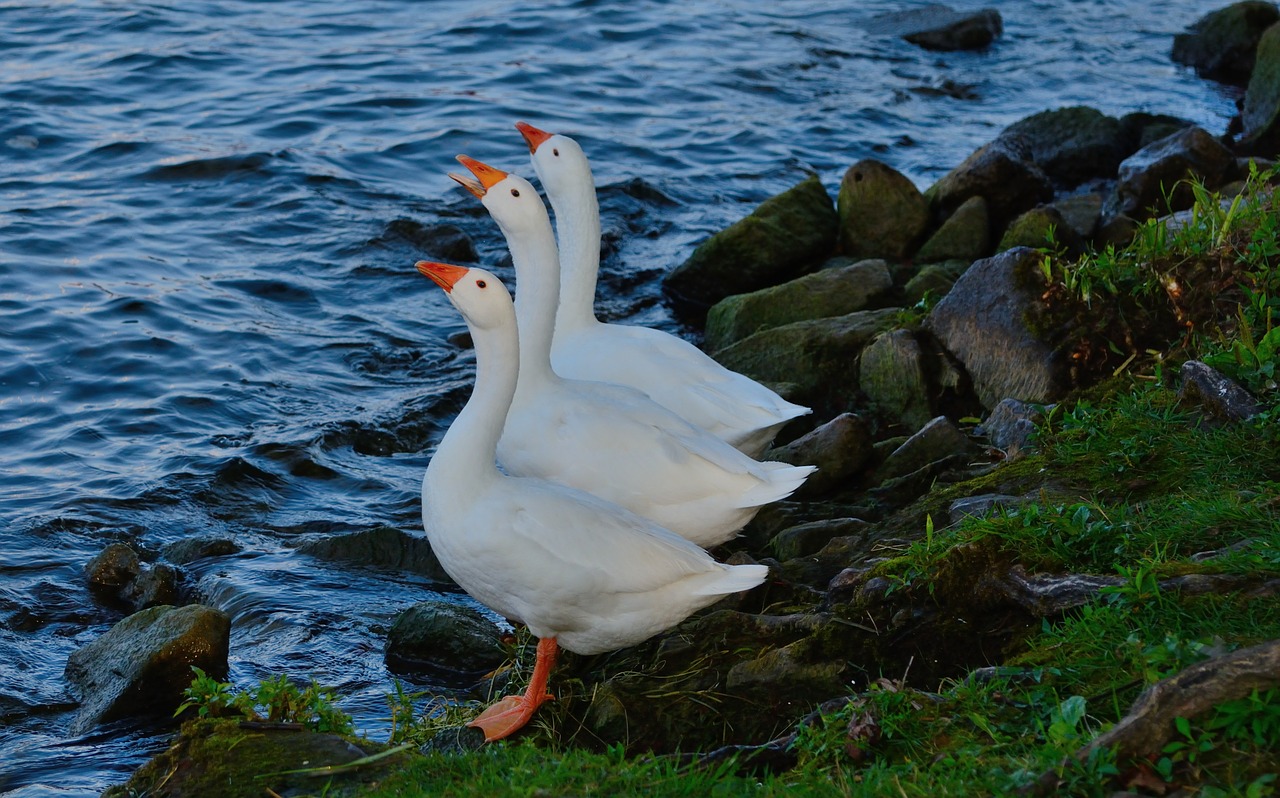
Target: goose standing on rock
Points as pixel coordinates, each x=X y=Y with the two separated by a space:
x=672 y=371
x=578 y=571
x=609 y=440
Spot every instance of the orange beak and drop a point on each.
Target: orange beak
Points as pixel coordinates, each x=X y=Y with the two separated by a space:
x=486 y=176
x=532 y=136
x=442 y=274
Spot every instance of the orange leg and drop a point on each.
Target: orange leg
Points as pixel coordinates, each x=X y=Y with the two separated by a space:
x=513 y=712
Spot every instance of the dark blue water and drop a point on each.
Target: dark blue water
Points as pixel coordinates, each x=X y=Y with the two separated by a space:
x=209 y=211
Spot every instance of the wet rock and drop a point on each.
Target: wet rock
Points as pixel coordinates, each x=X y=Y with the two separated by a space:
x=822 y=294
x=805 y=539
x=1073 y=144
x=982 y=323
x=937 y=440
x=840 y=448
x=965 y=235
x=454 y=741
x=1011 y=425
x=892 y=374
x=189 y=550
x=143 y=664
x=1002 y=173
x=938 y=27
x=1080 y=213
x=118 y=576
x=1151 y=173
x=818 y=358
x=1032 y=229
x=934 y=280
x=1142 y=128
x=782 y=239
x=1217 y=394
x=1222 y=45
x=443 y=638
x=381 y=546
x=882 y=213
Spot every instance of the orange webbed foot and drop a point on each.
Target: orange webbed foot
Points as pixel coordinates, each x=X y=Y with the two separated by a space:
x=507 y=716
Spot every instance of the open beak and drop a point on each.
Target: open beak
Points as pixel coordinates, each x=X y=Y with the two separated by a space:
x=485 y=176
x=442 y=274
x=532 y=136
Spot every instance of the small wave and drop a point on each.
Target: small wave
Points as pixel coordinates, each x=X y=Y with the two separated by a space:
x=257 y=163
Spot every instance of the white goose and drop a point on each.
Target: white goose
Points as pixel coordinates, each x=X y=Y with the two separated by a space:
x=609 y=440
x=672 y=371
x=578 y=571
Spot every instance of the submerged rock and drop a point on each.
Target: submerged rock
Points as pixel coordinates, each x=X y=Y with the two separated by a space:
x=1153 y=173
x=118 y=576
x=882 y=213
x=982 y=323
x=1222 y=45
x=785 y=237
x=939 y=27
x=443 y=638
x=829 y=292
x=380 y=546
x=188 y=550
x=143 y=664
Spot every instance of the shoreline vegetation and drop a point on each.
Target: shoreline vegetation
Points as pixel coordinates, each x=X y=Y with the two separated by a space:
x=1041 y=556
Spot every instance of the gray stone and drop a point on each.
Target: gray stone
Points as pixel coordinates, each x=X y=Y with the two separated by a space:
x=381 y=546
x=143 y=664
x=892 y=374
x=817 y=358
x=1073 y=144
x=937 y=440
x=1080 y=213
x=1217 y=394
x=882 y=213
x=938 y=27
x=1011 y=425
x=824 y=293
x=965 y=235
x=188 y=550
x=1142 y=128
x=982 y=323
x=840 y=449
x=1222 y=45
x=1150 y=183
x=1002 y=173
x=934 y=280
x=443 y=637
x=981 y=506
x=805 y=539
x=788 y=235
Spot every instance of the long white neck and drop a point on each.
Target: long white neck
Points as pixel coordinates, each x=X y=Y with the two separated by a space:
x=467 y=455
x=537 y=263
x=578 y=231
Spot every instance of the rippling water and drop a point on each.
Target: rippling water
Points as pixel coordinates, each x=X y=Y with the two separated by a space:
x=209 y=321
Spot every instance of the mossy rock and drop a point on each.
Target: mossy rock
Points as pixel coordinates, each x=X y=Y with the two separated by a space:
x=1073 y=144
x=829 y=292
x=882 y=213
x=805 y=539
x=381 y=546
x=892 y=375
x=1003 y=173
x=1261 y=114
x=1031 y=229
x=444 y=638
x=965 y=235
x=788 y=235
x=934 y=280
x=1222 y=45
x=1152 y=181
x=819 y=357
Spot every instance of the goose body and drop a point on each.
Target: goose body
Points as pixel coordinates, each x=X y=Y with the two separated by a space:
x=609 y=440
x=579 y=571
x=670 y=370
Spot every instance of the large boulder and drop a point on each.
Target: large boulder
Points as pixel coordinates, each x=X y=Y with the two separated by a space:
x=1261 y=115
x=982 y=323
x=825 y=293
x=443 y=638
x=882 y=213
x=938 y=27
x=817 y=359
x=892 y=375
x=1073 y=144
x=143 y=664
x=965 y=235
x=1001 y=172
x=783 y=238
x=1150 y=181
x=1222 y=45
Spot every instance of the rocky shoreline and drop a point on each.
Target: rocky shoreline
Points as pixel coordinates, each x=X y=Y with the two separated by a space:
x=900 y=316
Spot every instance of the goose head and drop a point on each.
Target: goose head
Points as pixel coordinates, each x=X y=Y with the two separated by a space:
x=478 y=295
x=512 y=201
x=561 y=164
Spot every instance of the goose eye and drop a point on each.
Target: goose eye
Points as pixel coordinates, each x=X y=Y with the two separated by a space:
x=480 y=283
x=555 y=151
x=515 y=192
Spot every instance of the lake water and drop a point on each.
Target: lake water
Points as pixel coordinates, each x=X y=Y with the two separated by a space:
x=209 y=211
